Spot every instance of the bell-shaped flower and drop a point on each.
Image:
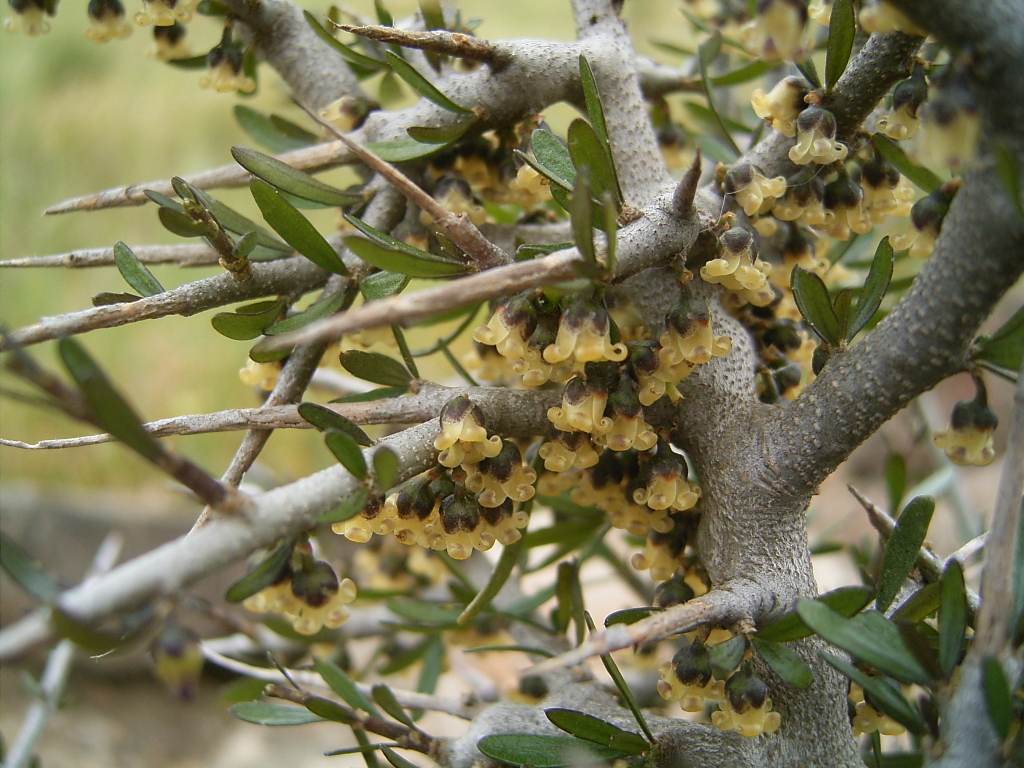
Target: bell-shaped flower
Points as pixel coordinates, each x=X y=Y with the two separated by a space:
x=781 y=106
x=777 y=30
x=754 y=192
x=816 y=138
x=108 y=21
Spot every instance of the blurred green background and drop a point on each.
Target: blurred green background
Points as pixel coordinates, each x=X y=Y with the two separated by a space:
x=80 y=117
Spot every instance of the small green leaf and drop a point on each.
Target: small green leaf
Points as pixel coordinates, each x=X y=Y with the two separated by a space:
x=809 y=71
x=920 y=605
x=27 y=571
x=245 y=245
x=814 y=304
x=895 y=472
x=423 y=264
x=581 y=215
x=107 y=408
x=952 y=617
x=382 y=284
x=846 y=601
x=291 y=180
x=841 y=306
x=551 y=159
x=263 y=575
x=593 y=729
x=786 y=664
x=705 y=54
x=1006 y=167
x=261 y=128
x=595 y=112
x=387 y=701
x=875 y=286
x=247 y=322
x=611 y=233
x=180 y=224
x=346 y=452
x=502 y=570
x=630 y=615
x=402 y=150
x=892 y=152
x=318 y=310
x=998 y=701
x=586 y=151
x=324 y=419
x=328 y=710
x=620 y=685
x=268 y=713
x=396 y=759
x=375 y=367
x=1005 y=347
x=421 y=85
x=743 y=74
x=901 y=549
x=886 y=697
x=544 y=751
x=382 y=393
x=295 y=228
x=870 y=637
x=189 y=62
x=385 y=467
x=727 y=655
x=362 y=64
x=442 y=134
x=349 y=508
x=841 y=30
x=134 y=271
x=342 y=685
x=433 y=665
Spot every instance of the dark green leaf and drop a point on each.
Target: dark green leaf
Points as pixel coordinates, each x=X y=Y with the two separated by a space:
x=126 y=633
x=846 y=601
x=297 y=132
x=726 y=656
x=361 y=63
x=324 y=418
x=713 y=149
x=263 y=575
x=261 y=128
x=425 y=611
x=744 y=74
x=786 y=664
x=108 y=409
x=595 y=111
x=1006 y=167
x=380 y=285
x=511 y=648
x=383 y=393
x=551 y=159
x=327 y=709
x=543 y=751
x=402 y=150
x=610 y=228
x=886 y=697
x=212 y=8
x=246 y=244
x=387 y=701
x=385 y=467
x=1005 y=347
x=354 y=750
x=841 y=31
x=901 y=549
x=267 y=713
x=586 y=151
x=396 y=759
x=841 y=305
x=27 y=571
x=620 y=685
x=952 y=617
x=235 y=222
x=346 y=452
x=375 y=367
x=570 y=531
x=875 y=286
x=581 y=215
x=630 y=615
x=706 y=53
x=997 y=696
x=247 y=322
x=895 y=471
x=342 y=685
x=291 y=180
x=349 y=508
x=892 y=152
x=433 y=665
x=442 y=134
x=590 y=728
x=325 y=307
x=502 y=570
x=870 y=637
x=295 y=228
x=421 y=85
x=922 y=641
x=812 y=300
x=920 y=605
x=809 y=71
x=423 y=265
x=134 y=271
x=189 y=62
x=180 y=224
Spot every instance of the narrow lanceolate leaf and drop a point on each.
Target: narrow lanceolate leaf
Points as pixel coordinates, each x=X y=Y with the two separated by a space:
x=291 y=180
x=581 y=216
x=1006 y=167
x=108 y=409
x=551 y=159
x=442 y=134
x=382 y=284
x=263 y=575
x=396 y=760
x=268 y=713
x=324 y=419
x=134 y=271
x=361 y=62
x=611 y=233
x=349 y=508
x=892 y=152
x=886 y=697
x=325 y=307
x=630 y=615
x=870 y=637
x=387 y=701
x=502 y=570
x=295 y=228
x=235 y=222
x=997 y=696
x=327 y=709
x=595 y=112
x=786 y=664
x=342 y=685
x=544 y=751
x=814 y=304
x=841 y=31
x=895 y=472
x=593 y=729
x=901 y=549
x=247 y=322
x=841 y=305
x=180 y=224
x=1005 y=347
x=743 y=74
x=347 y=452
x=952 y=617
x=421 y=85
x=423 y=264
x=875 y=286
x=846 y=601
x=586 y=151
x=375 y=367
x=27 y=571
x=403 y=150
x=385 y=468
x=261 y=128
x=809 y=71
x=705 y=55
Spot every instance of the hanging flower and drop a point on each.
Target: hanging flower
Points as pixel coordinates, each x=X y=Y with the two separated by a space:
x=502 y=477
x=746 y=707
x=968 y=438
x=951 y=124
x=821 y=11
x=169 y=43
x=108 y=21
x=883 y=17
x=902 y=120
x=754 y=192
x=868 y=719
x=926 y=218
x=262 y=375
x=454 y=194
x=583 y=405
x=510 y=327
x=845 y=198
x=688 y=678
x=164 y=13
x=628 y=430
x=224 y=68
x=29 y=17
x=690 y=338
x=463 y=438
x=177 y=659
x=816 y=138
x=564 y=450
x=781 y=106
x=740 y=270
x=777 y=29
x=886 y=191
x=584 y=335
x=804 y=200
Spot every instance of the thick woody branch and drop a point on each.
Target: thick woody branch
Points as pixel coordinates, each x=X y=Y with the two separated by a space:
x=439 y=41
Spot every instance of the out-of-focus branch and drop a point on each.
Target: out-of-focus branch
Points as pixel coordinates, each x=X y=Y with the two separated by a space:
x=184 y=255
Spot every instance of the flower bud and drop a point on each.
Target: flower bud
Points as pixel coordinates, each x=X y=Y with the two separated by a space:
x=781 y=106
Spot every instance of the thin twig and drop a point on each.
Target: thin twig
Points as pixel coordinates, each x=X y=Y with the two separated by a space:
x=184 y=255
x=439 y=41
x=51 y=685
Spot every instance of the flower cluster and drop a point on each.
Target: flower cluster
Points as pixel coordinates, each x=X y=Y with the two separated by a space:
x=384 y=564
x=665 y=553
x=739 y=270
x=754 y=192
x=608 y=485
x=262 y=375
x=463 y=438
x=804 y=200
x=688 y=678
